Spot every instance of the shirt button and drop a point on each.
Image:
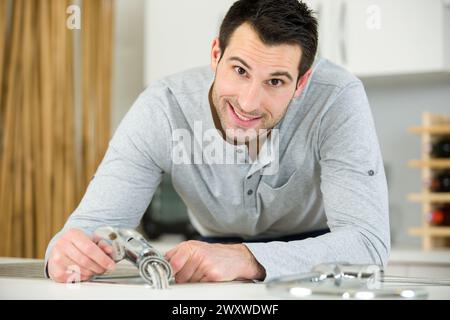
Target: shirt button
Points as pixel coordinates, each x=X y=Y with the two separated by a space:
x=371 y=173
x=239 y=151
x=250 y=192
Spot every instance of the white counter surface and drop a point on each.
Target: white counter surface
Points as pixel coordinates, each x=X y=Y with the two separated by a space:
x=27 y=288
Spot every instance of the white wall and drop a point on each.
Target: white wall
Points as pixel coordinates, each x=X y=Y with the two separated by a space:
x=129 y=54
x=167 y=49
x=397 y=103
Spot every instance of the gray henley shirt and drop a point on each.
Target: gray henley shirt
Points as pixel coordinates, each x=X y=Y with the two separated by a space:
x=327 y=171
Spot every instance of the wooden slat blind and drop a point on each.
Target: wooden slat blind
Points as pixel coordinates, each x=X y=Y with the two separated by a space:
x=45 y=162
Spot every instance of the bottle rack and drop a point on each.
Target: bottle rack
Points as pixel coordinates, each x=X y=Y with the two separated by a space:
x=433 y=127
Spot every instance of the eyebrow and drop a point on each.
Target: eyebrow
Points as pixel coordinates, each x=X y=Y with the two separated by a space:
x=273 y=74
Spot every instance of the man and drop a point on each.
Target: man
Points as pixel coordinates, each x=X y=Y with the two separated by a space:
x=318 y=196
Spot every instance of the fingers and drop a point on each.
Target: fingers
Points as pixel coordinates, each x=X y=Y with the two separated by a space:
x=197 y=276
x=102 y=244
x=207 y=275
x=63 y=269
x=76 y=250
x=186 y=260
x=169 y=254
x=196 y=261
x=179 y=259
x=87 y=247
x=188 y=270
x=83 y=261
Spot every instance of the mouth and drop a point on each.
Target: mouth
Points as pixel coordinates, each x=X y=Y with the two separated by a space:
x=241 y=119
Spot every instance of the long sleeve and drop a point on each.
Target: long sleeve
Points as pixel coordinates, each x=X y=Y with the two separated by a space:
x=354 y=190
x=131 y=170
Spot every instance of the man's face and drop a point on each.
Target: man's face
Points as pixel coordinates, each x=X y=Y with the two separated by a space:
x=254 y=83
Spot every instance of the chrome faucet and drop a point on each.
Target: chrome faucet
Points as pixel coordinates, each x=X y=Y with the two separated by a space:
x=131 y=245
x=346 y=281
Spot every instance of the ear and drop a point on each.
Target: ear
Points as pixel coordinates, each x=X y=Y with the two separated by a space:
x=301 y=84
x=215 y=53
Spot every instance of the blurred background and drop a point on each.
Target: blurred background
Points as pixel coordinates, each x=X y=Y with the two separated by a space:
x=65 y=87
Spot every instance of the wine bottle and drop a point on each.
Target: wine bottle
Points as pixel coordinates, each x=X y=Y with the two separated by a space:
x=441 y=182
x=441 y=148
x=440 y=216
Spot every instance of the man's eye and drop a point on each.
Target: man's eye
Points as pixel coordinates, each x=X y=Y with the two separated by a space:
x=240 y=71
x=275 y=82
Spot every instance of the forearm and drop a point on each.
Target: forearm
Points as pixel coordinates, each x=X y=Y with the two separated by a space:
x=122 y=186
x=348 y=245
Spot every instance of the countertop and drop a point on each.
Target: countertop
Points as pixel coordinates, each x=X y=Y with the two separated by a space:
x=403 y=262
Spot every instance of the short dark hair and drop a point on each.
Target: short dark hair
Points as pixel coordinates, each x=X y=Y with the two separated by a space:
x=276 y=22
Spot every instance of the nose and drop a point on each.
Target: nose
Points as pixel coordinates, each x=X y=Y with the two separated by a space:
x=250 y=98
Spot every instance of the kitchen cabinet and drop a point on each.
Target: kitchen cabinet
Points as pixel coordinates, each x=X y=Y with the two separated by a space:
x=385 y=37
x=368 y=37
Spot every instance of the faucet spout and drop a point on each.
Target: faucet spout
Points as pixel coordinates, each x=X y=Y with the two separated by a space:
x=131 y=245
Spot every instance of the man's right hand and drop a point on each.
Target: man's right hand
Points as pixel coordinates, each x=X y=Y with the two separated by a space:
x=74 y=249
